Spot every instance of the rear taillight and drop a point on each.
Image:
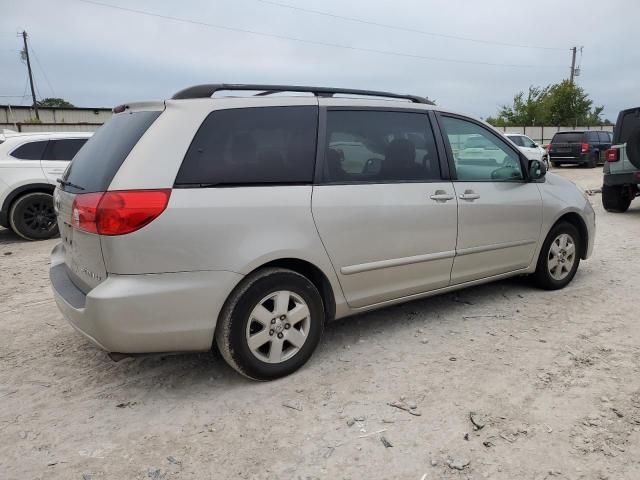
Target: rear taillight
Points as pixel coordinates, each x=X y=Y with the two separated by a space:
x=118 y=212
x=613 y=155
x=84 y=211
x=549 y=148
x=584 y=147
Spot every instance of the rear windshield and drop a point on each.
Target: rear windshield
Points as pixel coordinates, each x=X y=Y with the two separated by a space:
x=567 y=137
x=97 y=162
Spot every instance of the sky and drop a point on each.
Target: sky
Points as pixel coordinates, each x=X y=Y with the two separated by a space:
x=468 y=55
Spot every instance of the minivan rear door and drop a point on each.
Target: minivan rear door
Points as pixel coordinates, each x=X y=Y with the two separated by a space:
x=386 y=216
x=91 y=172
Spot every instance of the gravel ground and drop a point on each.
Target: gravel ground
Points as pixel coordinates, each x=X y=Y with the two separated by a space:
x=551 y=376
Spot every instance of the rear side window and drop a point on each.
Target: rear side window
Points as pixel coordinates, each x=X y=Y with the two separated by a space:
x=604 y=137
x=375 y=147
x=64 y=149
x=30 y=151
x=252 y=146
x=517 y=140
x=567 y=137
x=96 y=164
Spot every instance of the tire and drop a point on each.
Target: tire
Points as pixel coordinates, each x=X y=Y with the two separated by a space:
x=592 y=162
x=633 y=147
x=237 y=324
x=615 y=198
x=32 y=217
x=554 y=279
x=556 y=164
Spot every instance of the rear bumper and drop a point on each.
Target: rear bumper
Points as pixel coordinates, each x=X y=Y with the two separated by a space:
x=612 y=179
x=166 y=312
x=568 y=158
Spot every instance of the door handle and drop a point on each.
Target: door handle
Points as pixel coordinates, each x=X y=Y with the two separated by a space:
x=441 y=196
x=469 y=195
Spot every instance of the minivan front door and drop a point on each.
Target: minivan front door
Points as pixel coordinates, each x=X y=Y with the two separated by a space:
x=499 y=213
x=383 y=212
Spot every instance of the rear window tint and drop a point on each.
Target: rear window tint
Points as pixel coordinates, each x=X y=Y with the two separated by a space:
x=30 y=151
x=64 y=149
x=262 y=145
x=96 y=164
x=592 y=137
x=568 y=137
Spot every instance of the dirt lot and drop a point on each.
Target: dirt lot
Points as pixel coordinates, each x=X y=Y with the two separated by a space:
x=553 y=377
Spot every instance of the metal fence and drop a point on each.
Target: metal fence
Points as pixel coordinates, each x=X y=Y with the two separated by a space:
x=543 y=135
x=22 y=119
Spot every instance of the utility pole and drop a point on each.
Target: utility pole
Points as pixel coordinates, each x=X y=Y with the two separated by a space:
x=573 y=63
x=33 y=92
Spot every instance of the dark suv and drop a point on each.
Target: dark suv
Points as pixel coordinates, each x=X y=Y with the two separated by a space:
x=579 y=147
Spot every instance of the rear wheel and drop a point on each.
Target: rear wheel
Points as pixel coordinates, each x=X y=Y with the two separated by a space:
x=559 y=257
x=32 y=217
x=271 y=324
x=615 y=198
x=556 y=164
x=592 y=161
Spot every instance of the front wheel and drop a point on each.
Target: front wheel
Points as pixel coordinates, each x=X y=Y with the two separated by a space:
x=559 y=257
x=271 y=324
x=32 y=217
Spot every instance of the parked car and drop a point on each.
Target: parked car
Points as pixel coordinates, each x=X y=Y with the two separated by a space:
x=30 y=163
x=252 y=221
x=531 y=149
x=622 y=169
x=579 y=147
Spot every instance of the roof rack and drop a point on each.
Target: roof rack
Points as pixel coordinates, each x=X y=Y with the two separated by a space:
x=206 y=91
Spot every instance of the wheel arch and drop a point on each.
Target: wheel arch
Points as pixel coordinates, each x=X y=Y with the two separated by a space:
x=315 y=276
x=576 y=220
x=17 y=193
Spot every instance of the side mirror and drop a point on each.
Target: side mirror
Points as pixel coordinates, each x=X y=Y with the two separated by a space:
x=537 y=170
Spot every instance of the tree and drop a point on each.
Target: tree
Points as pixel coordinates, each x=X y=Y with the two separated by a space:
x=525 y=110
x=54 y=102
x=569 y=104
x=558 y=104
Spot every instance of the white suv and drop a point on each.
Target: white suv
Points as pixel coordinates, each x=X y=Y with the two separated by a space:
x=252 y=221
x=30 y=164
x=531 y=149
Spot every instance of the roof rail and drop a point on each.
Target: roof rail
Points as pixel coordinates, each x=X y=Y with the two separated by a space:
x=206 y=91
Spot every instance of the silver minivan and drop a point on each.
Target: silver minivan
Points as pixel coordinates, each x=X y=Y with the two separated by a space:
x=250 y=222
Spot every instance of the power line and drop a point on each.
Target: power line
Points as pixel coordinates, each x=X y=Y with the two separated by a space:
x=35 y=55
x=311 y=42
x=404 y=29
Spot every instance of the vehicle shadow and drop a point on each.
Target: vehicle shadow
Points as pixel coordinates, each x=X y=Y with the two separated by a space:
x=7 y=237
x=193 y=372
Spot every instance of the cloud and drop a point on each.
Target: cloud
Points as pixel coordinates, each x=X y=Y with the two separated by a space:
x=96 y=56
